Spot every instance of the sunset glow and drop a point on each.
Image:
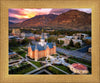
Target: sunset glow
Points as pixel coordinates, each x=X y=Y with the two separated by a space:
x=19 y=15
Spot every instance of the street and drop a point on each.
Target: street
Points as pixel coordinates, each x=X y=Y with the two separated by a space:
x=74 y=53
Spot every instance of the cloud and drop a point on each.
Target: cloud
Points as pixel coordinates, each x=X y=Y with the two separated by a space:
x=58 y=11
x=16 y=20
x=18 y=15
x=13 y=18
x=16 y=11
x=26 y=13
x=87 y=10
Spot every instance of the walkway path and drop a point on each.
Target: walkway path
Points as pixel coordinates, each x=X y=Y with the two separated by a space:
x=59 y=69
x=38 y=69
x=32 y=64
x=44 y=70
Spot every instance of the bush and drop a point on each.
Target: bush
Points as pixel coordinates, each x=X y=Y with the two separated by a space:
x=68 y=47
x=20 y=52
x=14 y=43
x=87 y=42
x=61 y=42
x=71 y=43
x=42 y=59
x=77 y=45
x=25 y=41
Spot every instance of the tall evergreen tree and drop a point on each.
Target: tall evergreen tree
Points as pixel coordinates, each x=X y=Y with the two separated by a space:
x=71 y=43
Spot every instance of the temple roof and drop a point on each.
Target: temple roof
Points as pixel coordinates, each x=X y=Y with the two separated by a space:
x=42 y=36
x=39 y=47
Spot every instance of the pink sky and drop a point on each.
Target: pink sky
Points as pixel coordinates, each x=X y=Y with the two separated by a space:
x=19 y=15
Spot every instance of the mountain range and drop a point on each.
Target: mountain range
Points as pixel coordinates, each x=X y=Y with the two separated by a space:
x=73 y=19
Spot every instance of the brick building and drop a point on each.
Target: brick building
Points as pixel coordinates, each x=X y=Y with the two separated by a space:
x=16 y=32
x=41 y=49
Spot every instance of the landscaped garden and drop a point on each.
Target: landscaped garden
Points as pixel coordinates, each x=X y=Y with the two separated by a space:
x=80 y=60
x=54 y=70
x=16 y=57
x=42 y=59
x=22 y=69
x=55 y=55
x=14 y=48
x=69 y=61
x=64 y=68
x=38 y=64
x=22 y=53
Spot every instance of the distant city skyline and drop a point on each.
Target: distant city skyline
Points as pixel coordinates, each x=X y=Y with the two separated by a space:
x=19 y=15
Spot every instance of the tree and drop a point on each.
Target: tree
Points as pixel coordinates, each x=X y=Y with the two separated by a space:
x=37 y=39
x=77 y=45
x=25 y=41
x=71 y=44
x=88 y=42
x=61 y=42
x=67 y=47
x=52 y=39
x=13 y=43
x=57 y=41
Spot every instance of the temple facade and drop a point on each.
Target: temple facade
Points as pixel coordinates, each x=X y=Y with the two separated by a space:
x=41 y=49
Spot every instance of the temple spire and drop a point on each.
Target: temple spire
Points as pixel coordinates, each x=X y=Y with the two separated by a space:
x=42 y=35
x=29 y=45
x=42 y=30
x=36 y=46
x=54 y=44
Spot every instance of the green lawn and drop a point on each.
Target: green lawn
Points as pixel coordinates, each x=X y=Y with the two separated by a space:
x=16 y=57
x=69 y=61
x=69 y=48
x=80 y=61
x=38 y=64
x=54 y=55
x=54 y=71
x=42 y=59
x=14 y=48
x=25 y=49
x=22 y=53
x=73 y=48
x=22 y=69
x=64 y=68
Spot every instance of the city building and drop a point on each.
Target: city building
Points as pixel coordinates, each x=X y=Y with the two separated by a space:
x=37 y=36
x=87 y=38
x=41 y=49
x=16 y=32
x=80 y=35
x=12 y=37
x=11 y=54
x=76 y=41
x=46 y=35
x=27 y=34
x=78 y=68
x=15 y=37
x=89 y=49
x=32 y=38
x=67 y=40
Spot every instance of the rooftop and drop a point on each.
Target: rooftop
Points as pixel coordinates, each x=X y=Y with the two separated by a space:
x=79 y=66
x=39 y=47
x=87 y=38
